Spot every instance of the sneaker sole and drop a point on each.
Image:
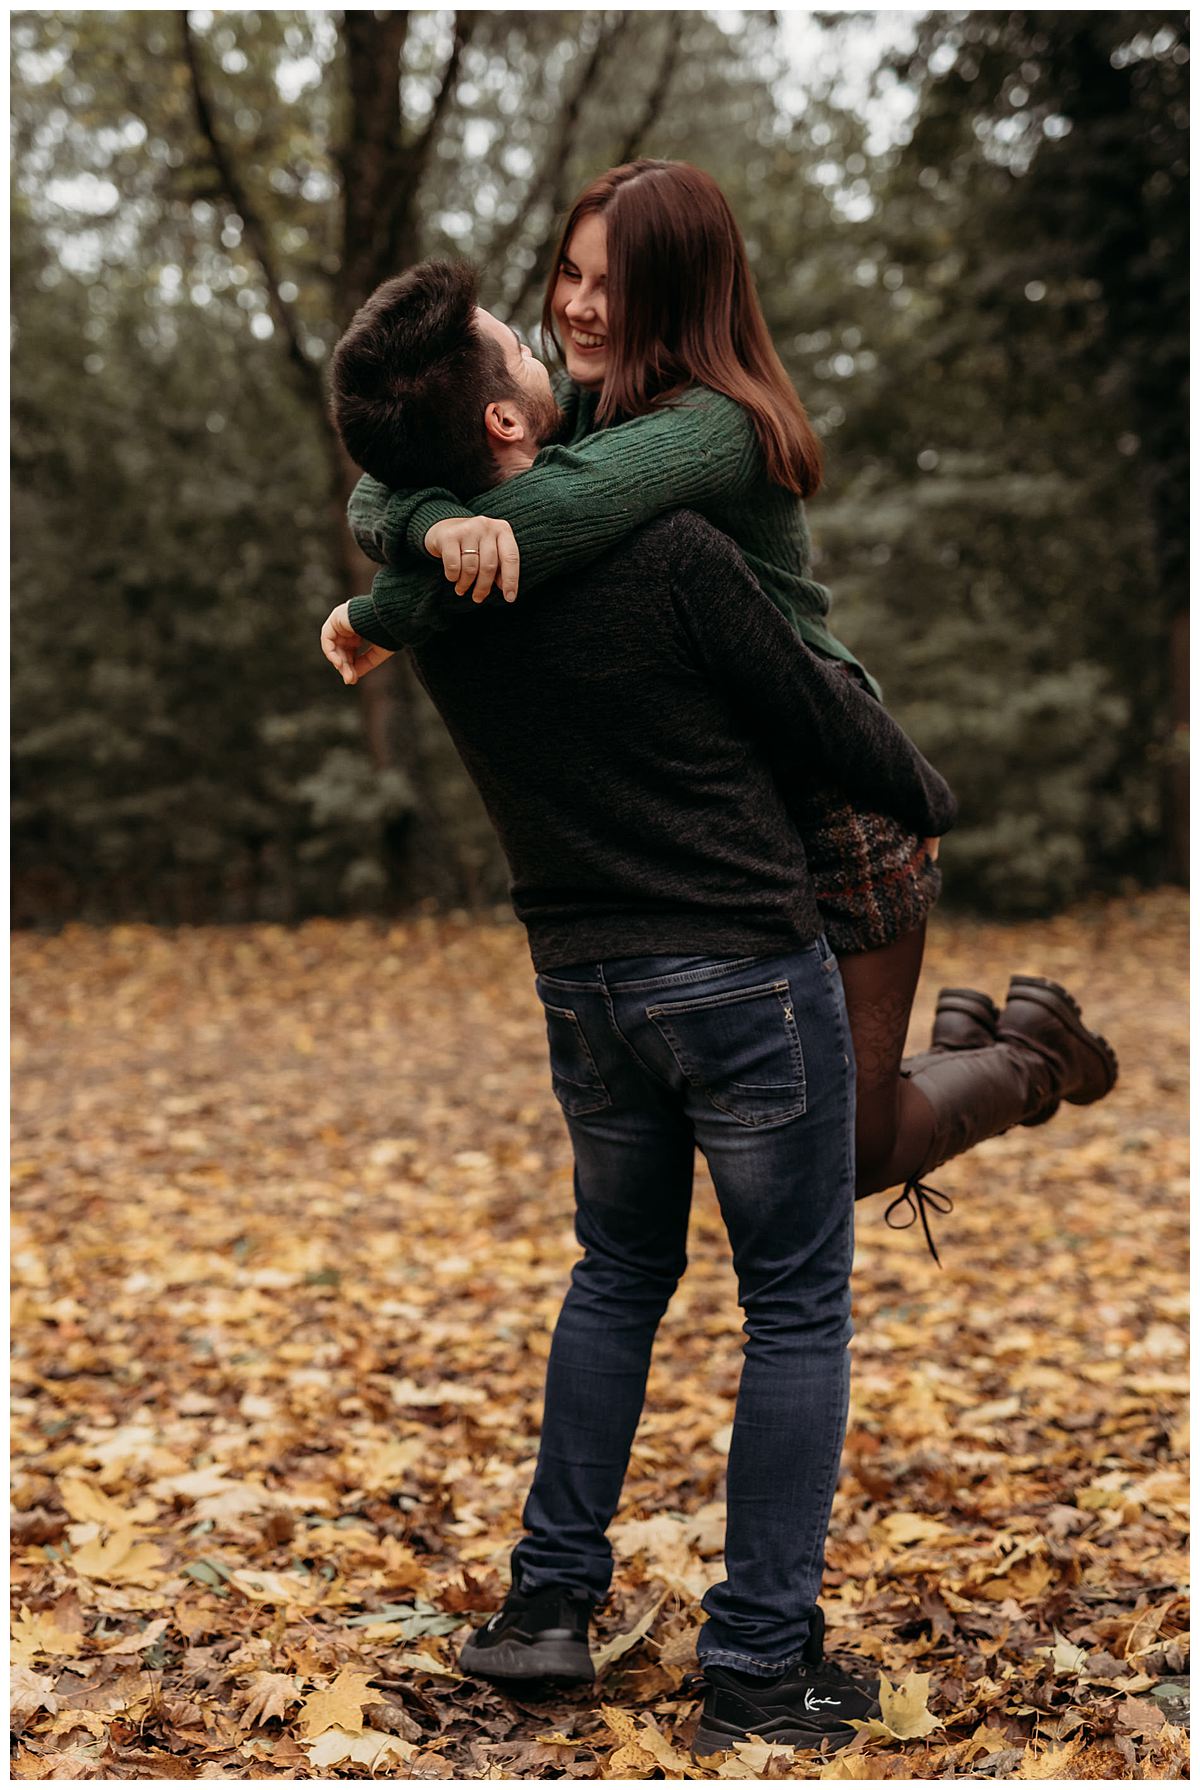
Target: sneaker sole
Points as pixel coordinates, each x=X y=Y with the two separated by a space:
x=721 y=1740
x=565 y=1662
x=1065 y=1007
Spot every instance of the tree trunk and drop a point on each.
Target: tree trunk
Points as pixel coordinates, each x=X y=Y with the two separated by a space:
x=1176 y=795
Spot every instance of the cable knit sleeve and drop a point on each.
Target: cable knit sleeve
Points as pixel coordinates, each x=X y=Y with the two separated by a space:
x=577 y=502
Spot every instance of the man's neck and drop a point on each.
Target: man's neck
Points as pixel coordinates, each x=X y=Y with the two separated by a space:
x=514 y=460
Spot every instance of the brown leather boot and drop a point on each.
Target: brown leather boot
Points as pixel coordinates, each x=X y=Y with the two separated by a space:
x=1043 y=1054
x=977 y=1094
x=965 y=1020
x=1041 y=1015
x=974 y=1094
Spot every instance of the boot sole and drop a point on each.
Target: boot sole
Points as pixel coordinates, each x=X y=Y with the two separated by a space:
x=1065 y=1008
x=564 y=1662
x=710 y=1739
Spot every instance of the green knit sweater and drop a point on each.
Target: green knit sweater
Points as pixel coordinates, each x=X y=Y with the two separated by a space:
x=579 y=500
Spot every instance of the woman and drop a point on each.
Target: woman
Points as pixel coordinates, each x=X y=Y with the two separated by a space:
x=676 y=398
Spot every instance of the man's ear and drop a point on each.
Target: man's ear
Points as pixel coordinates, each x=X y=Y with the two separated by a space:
x=503 y=422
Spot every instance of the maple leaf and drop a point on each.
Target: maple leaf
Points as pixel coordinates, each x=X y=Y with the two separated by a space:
x=1143 y=1633
x=484 y=1593
x=366 y=1747
x=340 y=1706
x=906 y=1526
x=138 y=1643
x=1067 y=1659
x=382 y=1465
x=236 y=1498
x=40 y=1633
x=650 y=1739
x=120 y=1560
x=903 y=1711
x=276 y=1587
x=630 y=1759
x=202 y=1482
x=752 y=1756
x=419 y=1662
x=1053 y=1762
x=267 y=1695
x=73 y=1765
x=87 y=1502
x=619 y=1644
x=29 y=1692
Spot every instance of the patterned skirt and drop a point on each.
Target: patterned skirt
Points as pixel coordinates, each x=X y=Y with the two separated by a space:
x=873 y=880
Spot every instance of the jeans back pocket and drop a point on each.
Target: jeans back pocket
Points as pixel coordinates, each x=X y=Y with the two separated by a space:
x=741 y=1048
x=578 y=1084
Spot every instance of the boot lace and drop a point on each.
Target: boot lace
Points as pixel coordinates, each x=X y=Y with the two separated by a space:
x=916 y=1195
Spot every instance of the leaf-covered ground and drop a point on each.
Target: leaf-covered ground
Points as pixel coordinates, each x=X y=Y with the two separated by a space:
x=291 y=1224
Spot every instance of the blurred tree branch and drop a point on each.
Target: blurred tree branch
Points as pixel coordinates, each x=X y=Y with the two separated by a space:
x=282 y=314
x=656 y=98
x=549 y=182
x=554 y=176
x=401 y=248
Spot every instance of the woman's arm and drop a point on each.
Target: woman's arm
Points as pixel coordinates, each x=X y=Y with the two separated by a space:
x=576 y=502
x=406 y=608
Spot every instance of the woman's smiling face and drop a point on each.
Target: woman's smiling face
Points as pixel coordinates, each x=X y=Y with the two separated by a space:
x=580 y=303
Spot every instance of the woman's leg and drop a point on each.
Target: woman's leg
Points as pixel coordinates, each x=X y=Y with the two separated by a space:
x=894 y=1126
x=912 y=1119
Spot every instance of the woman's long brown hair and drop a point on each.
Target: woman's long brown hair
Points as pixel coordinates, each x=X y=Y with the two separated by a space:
x=682 y=310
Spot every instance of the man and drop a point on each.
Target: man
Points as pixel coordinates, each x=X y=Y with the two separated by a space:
x=622 y=727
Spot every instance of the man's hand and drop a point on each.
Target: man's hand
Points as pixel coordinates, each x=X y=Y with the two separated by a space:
x=346 y=650
x=477 y=548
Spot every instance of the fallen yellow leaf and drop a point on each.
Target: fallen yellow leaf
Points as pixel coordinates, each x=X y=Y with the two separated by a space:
x=275 y=1587
x=269 y=1694
x=40 y=1633
x=120 y=1560
x=611 y=1650
x=1055 y=1762
x=906 y=1526
x=369 y=1748
x=903 y=1711
x=29 y=1692
x=86 y=1502
x=340 y=1706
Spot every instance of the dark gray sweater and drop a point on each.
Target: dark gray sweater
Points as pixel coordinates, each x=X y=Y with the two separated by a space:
x=621 y=724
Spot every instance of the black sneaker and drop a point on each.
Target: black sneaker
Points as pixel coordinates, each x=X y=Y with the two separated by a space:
x=809 y=1705
x=535 y=1634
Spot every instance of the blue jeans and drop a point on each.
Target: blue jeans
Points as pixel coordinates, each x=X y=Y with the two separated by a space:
x=751 y=1060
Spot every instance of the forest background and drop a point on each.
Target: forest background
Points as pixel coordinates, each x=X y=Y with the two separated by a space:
x=977 y=280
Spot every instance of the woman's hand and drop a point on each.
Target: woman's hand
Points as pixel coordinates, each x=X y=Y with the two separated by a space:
x=344 y=647
x=477 y=548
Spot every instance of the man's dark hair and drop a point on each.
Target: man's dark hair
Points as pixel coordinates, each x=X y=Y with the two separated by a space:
x=410 y=378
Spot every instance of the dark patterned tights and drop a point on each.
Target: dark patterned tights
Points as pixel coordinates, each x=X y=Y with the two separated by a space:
x=895 y=1121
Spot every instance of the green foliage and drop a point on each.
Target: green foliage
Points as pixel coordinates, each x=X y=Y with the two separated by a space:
x=995 y=348
x=986 y=321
